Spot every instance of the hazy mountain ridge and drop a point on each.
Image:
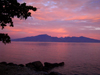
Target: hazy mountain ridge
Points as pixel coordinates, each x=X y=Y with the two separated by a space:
x=47 y=38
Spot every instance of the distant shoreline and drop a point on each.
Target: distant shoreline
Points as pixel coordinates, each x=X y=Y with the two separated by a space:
x=53 y=42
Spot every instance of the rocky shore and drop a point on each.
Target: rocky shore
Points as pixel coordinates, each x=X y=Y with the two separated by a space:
x=32 y=68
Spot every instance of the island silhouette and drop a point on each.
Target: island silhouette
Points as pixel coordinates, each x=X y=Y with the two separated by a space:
x=48 y=38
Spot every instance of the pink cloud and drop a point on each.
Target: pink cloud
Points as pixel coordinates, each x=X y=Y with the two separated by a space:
x=59 y=18
x=66 y=9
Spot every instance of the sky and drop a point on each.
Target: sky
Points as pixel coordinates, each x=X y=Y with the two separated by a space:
x=60 y=18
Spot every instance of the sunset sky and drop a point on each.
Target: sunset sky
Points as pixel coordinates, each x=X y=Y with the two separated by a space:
x=59 y=18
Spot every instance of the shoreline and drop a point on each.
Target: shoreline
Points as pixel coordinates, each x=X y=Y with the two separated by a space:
x=14 y=69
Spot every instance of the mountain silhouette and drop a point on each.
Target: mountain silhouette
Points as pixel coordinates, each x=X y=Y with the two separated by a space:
x=47 y=38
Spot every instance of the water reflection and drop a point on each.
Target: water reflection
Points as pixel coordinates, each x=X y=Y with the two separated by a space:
x=79 y=58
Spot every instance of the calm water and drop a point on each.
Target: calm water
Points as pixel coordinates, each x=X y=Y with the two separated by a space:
x=79 y=58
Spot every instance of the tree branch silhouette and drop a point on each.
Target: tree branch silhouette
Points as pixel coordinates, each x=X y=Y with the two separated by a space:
x=10 y=9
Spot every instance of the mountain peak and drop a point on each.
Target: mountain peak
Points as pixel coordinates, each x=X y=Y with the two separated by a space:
x=43 y=35
x=82 y=37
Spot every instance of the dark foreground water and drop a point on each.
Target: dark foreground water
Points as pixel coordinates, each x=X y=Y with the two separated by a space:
x=79 y=58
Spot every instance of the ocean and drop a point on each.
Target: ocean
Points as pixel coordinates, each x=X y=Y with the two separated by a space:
x=79 y=58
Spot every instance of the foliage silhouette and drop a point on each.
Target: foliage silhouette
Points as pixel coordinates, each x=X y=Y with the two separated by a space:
x=4 y=38
x=10 y=9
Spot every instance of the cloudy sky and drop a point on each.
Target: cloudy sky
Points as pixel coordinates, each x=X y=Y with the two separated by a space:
x=59 y=18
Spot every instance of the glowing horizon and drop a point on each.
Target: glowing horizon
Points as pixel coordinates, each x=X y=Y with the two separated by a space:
x=60 y=18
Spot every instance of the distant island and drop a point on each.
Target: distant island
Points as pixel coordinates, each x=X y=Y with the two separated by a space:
x=47 y=38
